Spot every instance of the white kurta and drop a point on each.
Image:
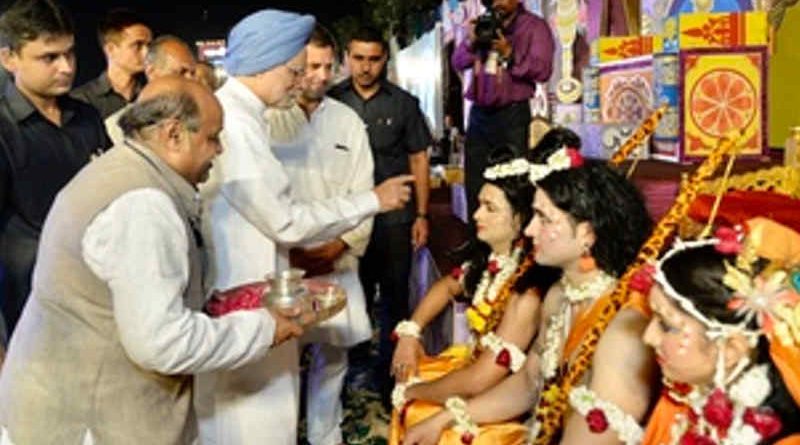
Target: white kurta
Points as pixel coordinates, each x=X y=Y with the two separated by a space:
x=330 y=156
x=251 y=209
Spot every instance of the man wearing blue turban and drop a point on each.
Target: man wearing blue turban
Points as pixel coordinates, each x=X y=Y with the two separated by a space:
x=251 y=210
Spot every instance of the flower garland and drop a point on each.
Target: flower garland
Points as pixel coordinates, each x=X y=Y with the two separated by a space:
x=494 y=289
x=601 y=414
x=407 y=328
x=399 y=392
x=555 y=334
x=732 y=418
x=506 y=354
x=464 y=426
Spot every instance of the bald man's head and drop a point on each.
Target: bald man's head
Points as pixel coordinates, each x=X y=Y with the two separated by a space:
x=169 y=55
x=180 y=120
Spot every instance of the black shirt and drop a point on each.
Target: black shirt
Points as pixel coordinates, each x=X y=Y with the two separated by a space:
x=396 y=128
x=99 y=94
x=37 y=157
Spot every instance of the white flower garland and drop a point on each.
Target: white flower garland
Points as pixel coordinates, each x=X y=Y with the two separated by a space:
x=408 y=328
x=557 y=161
x=463 y=425
x=515 y=167
x=399 y=392
x=749 y=391
x=496 y=344
x=490 y=286
x=556 y=333
x=584 y=400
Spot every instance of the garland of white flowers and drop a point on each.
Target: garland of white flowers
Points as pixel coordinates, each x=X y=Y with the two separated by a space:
x=399 y=392
x=408 y=328
x=464 y=426
x=747 y=393
x=490 y=285
x=602 y=414
x=506 y=353
x=556 y=332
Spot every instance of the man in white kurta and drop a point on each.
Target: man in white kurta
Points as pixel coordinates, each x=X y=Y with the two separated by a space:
x=252 y=209
x=326 y=153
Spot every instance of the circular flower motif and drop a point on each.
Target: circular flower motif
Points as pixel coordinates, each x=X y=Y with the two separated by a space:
x=719 y=409
x=721 y=101
x=597 y=421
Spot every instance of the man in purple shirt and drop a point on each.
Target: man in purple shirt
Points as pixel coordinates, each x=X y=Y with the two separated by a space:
x=503 y=79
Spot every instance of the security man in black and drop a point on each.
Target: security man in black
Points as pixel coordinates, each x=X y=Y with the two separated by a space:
x=45 y=136
x=399 y=138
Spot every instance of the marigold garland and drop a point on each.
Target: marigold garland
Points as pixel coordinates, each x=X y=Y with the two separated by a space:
x=485 y=318
x=549 y=416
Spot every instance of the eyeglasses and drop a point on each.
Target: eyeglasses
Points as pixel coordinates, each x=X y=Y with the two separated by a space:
x=295 y=71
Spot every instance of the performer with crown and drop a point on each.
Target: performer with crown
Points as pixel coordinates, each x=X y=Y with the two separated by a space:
x=726 y=331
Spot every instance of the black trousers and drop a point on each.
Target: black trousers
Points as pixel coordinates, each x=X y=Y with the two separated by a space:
x=18 y=245
x=384 y=271
x=488 y=129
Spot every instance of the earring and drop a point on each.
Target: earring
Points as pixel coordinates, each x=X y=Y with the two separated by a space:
x=587 y=262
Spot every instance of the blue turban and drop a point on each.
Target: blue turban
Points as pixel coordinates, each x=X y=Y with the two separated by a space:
x=266 y=39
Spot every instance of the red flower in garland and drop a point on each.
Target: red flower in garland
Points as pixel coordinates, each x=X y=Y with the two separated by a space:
x=597 y=421
x=642 y=280
x=503 y=358
x=467 y=438
x=575 y=157
x=764 y=421
x=493 y=267
x=457 y=272
x=693 y=438
x=729 y=242
x=719 y=409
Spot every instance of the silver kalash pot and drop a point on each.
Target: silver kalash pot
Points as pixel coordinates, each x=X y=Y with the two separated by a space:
x=286 y=290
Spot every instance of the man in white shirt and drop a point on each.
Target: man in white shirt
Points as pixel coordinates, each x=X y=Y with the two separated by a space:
x=326 y=153
x=107 y=344
x=252 y=210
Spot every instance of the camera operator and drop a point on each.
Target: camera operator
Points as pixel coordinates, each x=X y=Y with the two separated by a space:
x=509 y=50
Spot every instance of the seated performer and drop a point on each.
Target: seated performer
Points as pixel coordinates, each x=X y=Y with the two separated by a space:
x=726 y=331
x=589 y=221
x=502 y=286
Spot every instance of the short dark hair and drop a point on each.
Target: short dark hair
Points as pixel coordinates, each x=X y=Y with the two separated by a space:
x=26 y=20
x=114 y=22
x=177 y=105
x=322 y=38
x=369 y=34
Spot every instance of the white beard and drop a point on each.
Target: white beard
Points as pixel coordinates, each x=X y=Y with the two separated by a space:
x=285 y=123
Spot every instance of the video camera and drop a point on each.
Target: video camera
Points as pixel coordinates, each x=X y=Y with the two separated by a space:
x=487 y=26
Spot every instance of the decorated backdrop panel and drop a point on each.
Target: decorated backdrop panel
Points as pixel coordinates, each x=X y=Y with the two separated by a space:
x=723 y=92
x=626 y=91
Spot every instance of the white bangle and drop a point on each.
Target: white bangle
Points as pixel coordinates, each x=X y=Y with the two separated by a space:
x=408 y=328
x=601 y=414
x=506 y=354
x=463 y=425
x=399 y=393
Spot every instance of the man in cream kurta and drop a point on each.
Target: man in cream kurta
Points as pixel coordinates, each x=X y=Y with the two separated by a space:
x=324 y=147
x=252 y=210
x=112 y=333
